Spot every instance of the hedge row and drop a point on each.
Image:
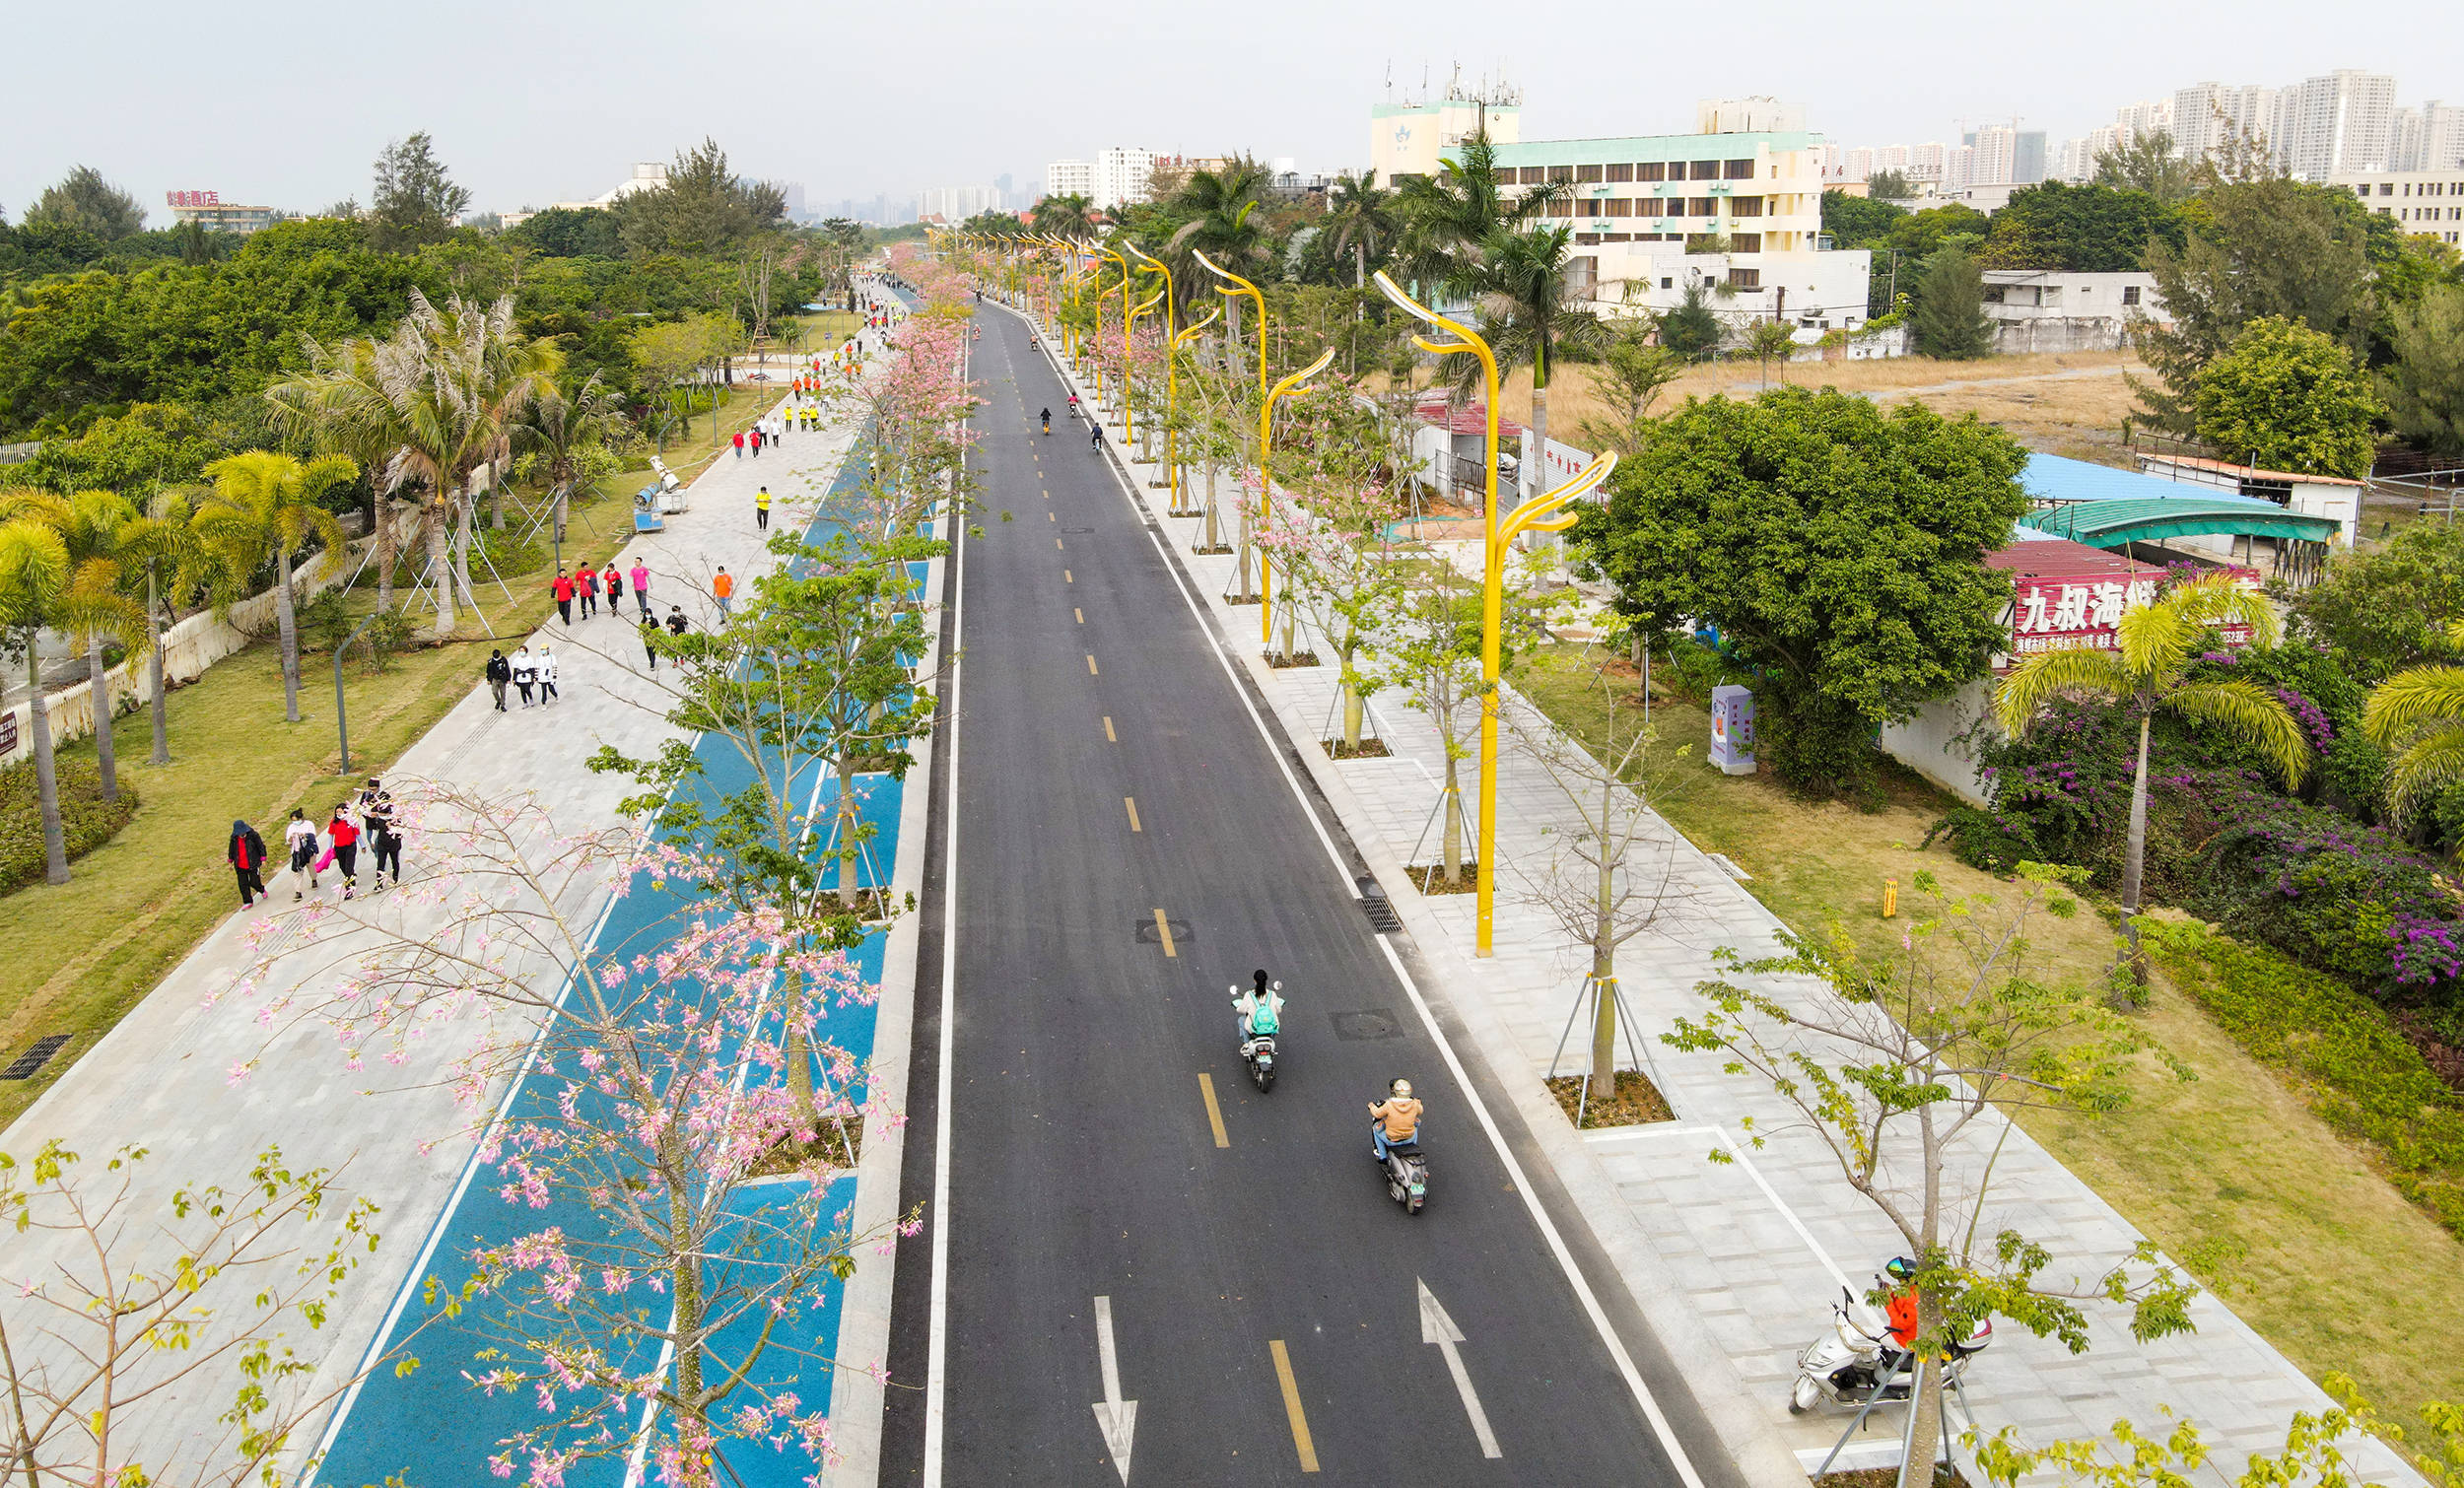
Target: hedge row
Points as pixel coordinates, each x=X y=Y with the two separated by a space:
x=86 y=818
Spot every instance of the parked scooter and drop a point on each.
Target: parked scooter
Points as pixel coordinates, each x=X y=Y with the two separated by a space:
x=1851 y=1366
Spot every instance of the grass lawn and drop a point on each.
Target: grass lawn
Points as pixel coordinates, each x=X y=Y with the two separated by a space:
x=2335 y=1268
x=75 y=959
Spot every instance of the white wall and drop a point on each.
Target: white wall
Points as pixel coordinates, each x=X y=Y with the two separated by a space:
x=1933 y=745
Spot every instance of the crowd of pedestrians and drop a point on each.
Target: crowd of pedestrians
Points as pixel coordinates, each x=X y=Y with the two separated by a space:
x=366 y=819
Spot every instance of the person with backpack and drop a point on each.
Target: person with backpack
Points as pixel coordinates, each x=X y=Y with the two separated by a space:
x=650 y=640
x=378 y=820
x=615 y=587
x=526 y=672
x=499 y=671
x=246 y=853
x=589 y=579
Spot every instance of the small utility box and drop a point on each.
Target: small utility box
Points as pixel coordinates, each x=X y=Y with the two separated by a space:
x=1732 y=730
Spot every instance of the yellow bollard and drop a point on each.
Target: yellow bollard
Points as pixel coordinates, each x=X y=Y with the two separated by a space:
x=1890 y=898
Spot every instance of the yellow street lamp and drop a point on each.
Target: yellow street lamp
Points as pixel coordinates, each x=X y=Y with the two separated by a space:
x=1171 y=406
x=1540 y=514
x=1265 y=484
x=1153 y=265
x=1129 y=389
x=1250 y=289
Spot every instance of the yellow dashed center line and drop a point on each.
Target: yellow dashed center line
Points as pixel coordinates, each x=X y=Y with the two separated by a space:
x=1291 y=1407
x=1131 y=802
x=1090 y=667
x=1057 y=542
x=1214 y=1112
x=1081 y=614
x=1109 y=736
x=1163 y=928
x=1066 y=579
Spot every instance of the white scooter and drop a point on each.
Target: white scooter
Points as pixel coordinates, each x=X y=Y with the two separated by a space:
x=1846 y=1368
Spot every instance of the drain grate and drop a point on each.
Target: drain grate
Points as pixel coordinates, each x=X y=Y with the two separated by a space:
x=23 y=1067
x=1374 y=904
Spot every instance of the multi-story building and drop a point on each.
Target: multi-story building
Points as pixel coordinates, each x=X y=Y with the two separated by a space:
x=1411 y=138
x=208 y=210
x=1120 y=175
x=2342 y=120
x=1070 y=179
x=2421 y=201
x=956 y=203
x=2208 y=114
x=1738 y=211
x=2428 y=138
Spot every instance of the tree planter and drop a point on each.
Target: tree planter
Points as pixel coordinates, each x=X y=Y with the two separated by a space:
x=1366 y=749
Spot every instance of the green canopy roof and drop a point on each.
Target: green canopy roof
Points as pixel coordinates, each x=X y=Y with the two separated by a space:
x=2112 y=524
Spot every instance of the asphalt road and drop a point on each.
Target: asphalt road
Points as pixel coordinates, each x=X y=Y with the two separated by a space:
x=1264 y=1292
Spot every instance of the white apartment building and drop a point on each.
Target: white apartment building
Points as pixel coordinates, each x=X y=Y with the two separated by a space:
x=1738 y=211
x=2059 y=310
x=2421 y=201
x=2337 y=121
x=956 y=203
x=2428 y=138
x=1120 y=175
x=1070 y=179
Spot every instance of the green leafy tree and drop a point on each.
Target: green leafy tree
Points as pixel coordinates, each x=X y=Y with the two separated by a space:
x=1632 y=371
x=1360 y=222
x=264 y=508
x=2088 y=229
x=2288 y=398
x=137 y=453
x=95 y=606
x=1839 y=548
x=2384 y=610
x=414 y=199
x=1900 y=1065
x=2149 y=671
x=1071 y=215
x=2417 y=716
x=1528 y=315
x=2424 y=386
x=1691 y=329
x=1766 y=340
x=2149 y=163
x=1889 y=186
x=703 y=207
x=1450 y=219
x=1949 y=321
x=560 y=431
x=1859 y=222
x=569 y=232
x=84 y=201
x=44 y=587
x=2258 y=245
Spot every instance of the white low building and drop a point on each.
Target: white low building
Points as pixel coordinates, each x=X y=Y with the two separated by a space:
x=2329 y=496
x=2421 y=201
x=2059 y=310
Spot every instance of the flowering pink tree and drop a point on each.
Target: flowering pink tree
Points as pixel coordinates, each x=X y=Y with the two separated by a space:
x=682 y=1185
x=1327 y=534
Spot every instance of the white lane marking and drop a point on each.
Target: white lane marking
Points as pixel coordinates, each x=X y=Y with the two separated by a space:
x=1117 y=1418
x=1438 y=1328
x=936 y=1348
x=1429 y=1020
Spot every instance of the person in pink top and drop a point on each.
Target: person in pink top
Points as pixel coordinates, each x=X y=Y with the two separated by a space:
x=640 y=577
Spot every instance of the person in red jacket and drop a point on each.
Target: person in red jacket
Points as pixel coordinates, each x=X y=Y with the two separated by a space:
x=739 y=444
x=1899 y=1312
x=345 y=837
x=588 y=578
x=563 y=589
x=246 y=854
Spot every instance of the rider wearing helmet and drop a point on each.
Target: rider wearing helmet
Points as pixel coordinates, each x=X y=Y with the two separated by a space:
x=1047 y=421
x=1395 y=1119
x=1259 y=1011
x=1900 y=1312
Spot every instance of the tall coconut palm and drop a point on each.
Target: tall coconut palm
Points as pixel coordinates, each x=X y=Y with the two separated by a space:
x=43 y=587
x=427 y=406
x=94 y=607
x=1068 y=216
x=1360 y=222
x=2149 y=671
x=264 y=508
x=164 y=546
x=2418 y=715
x=1528 y=315
x=559 y=425
x=1450 y=219
x=1227 y=225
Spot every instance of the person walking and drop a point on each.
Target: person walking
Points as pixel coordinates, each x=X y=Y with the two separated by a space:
x=246 y=853
x=526 y=672
x=761 y=510
x=675 y=620
x=301 y=835
x=345 y=850
x=499 y=672
x=723 y=589
x=545 y=662
x=615 y=587
x=563 y=589
x=640 y=577
x=757 y=442
x=740 y=443
x=382 y=837
x=649 y=641
x=589 y=578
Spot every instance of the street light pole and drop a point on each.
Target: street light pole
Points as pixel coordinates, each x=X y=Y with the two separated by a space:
x=1540 y=514
x=1265 y=483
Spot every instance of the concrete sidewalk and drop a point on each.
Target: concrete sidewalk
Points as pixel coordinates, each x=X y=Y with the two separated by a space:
x=162 y=1077
x=1737 y=1263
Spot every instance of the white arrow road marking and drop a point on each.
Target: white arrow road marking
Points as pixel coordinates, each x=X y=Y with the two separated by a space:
x=1438 y=1328
x=1117 y=1418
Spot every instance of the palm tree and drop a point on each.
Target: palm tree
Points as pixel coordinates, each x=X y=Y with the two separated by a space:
x=1226 y=227
x=264 y=505
x=558 y=426
x=1070 y=215
x=428 y=405
x=2149 y=671
x=1450 y=219
x=2418 y=715
x=43 y=586
x=1527 y=314
x=166 y=544
x=1360 y=220
x=93 y=607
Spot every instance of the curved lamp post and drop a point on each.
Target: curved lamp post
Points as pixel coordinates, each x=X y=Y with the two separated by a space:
x=1540 y=514
x=1266 y=486
x=1152 y=265
x=1129 y=389
x=1172 y=403
x=1105 y=252
x=1250 y=289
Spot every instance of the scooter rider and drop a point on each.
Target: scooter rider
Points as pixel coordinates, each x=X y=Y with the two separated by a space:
x=1395 y=1119
x=1899 y=1313
x=1047 y=421
x=1259 y=1011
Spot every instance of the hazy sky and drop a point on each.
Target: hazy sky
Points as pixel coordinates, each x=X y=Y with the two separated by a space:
x=531 y=100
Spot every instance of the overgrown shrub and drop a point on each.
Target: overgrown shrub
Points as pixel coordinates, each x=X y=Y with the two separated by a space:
x=2353 y=1065
x=87 y=820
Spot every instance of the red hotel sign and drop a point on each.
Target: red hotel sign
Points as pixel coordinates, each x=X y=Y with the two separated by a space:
x=192 y=198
